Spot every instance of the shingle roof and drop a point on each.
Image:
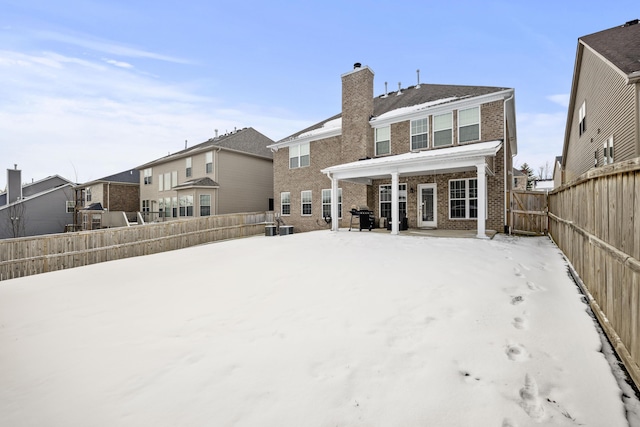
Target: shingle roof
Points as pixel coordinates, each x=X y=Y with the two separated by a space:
x=198 y=182
x=247 y=140
x=619 y=45
x=414 y=96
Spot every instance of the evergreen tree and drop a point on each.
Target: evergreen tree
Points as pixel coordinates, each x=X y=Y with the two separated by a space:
x=526 y=169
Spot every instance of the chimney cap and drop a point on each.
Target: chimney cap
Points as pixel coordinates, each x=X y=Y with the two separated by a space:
x=357 y=65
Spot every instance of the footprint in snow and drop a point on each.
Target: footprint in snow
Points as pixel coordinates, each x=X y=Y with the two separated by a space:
x=519 y=323
x=516 y=352
x=532 y=286
x=518 y=272
x=517 y=300
x=531 y=402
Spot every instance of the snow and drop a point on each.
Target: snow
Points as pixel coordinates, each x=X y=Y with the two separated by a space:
x=313 y=329
x=413 y=108
x=329 y=126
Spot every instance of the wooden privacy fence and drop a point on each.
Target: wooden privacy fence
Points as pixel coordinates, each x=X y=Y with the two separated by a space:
x=33 y=255
x=593 y=221
x=529 y=212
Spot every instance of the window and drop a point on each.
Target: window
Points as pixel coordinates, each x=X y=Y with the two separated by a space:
x=285 y=203
x=167 y=207
x=443 y=130
x=326 y=203
x=385 y=200
x=70 y=206
x=582 y=118
x=463 y=198
x=469 y=124
x=161 y=208
x=87 y=194
x=383 y=141
x=607 y=152
x=305 y=200
x=167 y=181
x=419 y=134
x=186 y=205
x=174 y=179
x=160 y=183
x=188 y=167
x=205 y=204
x=208 y=162
x=299 y=155
x=174 y=207
x=145 y=206
x=148 y=173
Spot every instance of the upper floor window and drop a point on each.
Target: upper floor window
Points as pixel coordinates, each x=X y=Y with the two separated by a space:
x=188 y=167
x=87 y=194
x=443 y=130
x=208 y=162
x=70 y=206
x=607 y=152
x=582 y=118
x=383 y=141
x=299 y=155
x=469 y=124
x=285 y=203
x=305 y=199
x=174 y=178
x=148 y=173
x=419 y=134
x=167 y=181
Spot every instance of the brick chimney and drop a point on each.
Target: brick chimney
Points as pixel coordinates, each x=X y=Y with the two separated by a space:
x=357 y=109
x=14 y=184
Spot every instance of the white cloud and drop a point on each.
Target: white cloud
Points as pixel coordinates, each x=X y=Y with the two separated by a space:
x=118 y=63
x=561 y=99
x=65 y=115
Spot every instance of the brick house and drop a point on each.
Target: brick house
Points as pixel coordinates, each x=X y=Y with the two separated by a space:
x=226 y=174
x=604 y=115
x=438 y=155
x=119 y=192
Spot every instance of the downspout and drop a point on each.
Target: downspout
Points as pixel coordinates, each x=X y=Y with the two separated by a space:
x=507 y=222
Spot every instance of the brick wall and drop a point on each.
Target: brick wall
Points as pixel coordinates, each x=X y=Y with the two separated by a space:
x=121 y=197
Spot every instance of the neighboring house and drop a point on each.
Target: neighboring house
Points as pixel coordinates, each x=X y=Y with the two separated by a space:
x=557 y=172
x=542 y=185
x=433 y=156
x=226 y=174
x=115 y=193
x=519 y=180
x=41 y=207
x=602 y=122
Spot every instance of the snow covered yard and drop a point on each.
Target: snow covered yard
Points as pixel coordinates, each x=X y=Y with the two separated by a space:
x=314 y=329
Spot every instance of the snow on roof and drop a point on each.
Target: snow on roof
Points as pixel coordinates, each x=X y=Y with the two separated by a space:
x=413 y=108
x=329 y=126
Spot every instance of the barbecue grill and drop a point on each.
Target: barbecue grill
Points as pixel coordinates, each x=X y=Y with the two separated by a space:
x=365 y=217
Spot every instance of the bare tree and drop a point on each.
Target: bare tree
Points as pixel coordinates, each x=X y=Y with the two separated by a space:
x=15 y=219
x=544 y=171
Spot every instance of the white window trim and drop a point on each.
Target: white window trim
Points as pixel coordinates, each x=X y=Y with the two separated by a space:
x=282 y=204
x=466 y=198
x=299 y=154
x=411 y=134
x=70 y=204
x=433 y=126
x=329 y=203
x=375 y=140
x=607 y=151
x=479 y=125
x=208 y=159
x=302 y=203
x=400 y=193
x=147 y=174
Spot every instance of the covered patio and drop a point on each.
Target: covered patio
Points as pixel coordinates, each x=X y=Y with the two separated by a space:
x=464 y=158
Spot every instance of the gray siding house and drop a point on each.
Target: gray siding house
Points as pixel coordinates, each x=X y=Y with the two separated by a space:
x=226 y=174
x=42 y=207
x=603 y=118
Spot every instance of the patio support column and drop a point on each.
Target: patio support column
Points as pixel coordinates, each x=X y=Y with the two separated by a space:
x=482 y=200
x=335 y=221
x=395 y=205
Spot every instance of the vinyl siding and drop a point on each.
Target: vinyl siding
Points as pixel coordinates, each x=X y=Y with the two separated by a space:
x=610 y=110
x=246 y=183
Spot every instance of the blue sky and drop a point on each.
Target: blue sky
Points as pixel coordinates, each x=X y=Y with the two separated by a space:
x=92 y=88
